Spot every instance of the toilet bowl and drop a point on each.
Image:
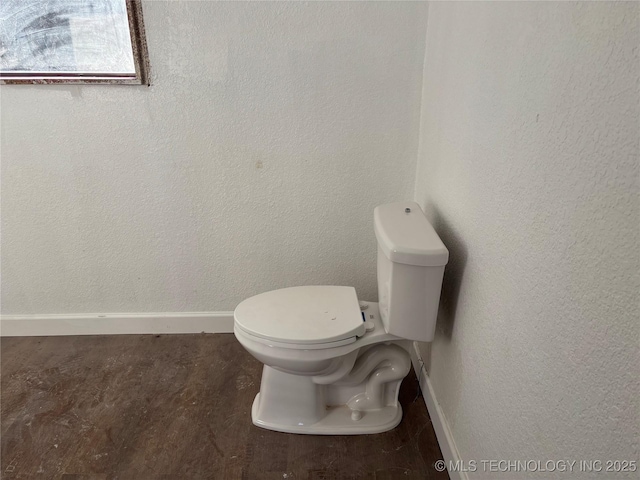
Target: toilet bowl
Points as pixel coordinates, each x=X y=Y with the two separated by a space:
x=345 y=387
x=333 y=365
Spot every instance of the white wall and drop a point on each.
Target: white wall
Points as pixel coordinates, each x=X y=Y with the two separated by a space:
x=253 y=162
x=529 y=170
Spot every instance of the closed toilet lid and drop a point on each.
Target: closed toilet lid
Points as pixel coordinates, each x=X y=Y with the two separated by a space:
x=302 y=315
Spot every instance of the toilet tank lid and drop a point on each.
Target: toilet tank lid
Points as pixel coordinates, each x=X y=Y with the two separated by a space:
x=405 y=235
x=304 y=315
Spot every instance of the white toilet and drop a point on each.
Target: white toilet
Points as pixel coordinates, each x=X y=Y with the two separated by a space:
x=333 y=365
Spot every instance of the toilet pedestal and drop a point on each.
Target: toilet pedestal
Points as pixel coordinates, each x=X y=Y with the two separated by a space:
x=286 y=399
x=294 y=404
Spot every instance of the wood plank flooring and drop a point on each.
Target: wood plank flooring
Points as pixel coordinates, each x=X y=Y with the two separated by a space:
x=175 y=407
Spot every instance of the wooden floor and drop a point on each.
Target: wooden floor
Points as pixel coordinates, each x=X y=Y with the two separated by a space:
x=175 y=407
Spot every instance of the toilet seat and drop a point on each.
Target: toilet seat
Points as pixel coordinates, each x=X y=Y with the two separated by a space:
x=319 y=316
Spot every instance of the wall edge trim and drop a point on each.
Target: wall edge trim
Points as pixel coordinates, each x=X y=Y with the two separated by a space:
x=115 y=324
x=438 y=419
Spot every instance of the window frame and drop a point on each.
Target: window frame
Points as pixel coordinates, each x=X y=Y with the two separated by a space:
x=140 y=60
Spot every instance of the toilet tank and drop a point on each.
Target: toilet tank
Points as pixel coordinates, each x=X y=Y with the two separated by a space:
x=411 y=260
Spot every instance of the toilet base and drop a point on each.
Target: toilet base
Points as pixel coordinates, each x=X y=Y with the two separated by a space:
x=337 y=421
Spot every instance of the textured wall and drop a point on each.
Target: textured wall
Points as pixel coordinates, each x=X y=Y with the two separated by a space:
x=253 y=162
x=529 y=169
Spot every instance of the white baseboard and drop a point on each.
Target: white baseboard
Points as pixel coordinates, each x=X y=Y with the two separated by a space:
x=115 y=324
x=438 y=419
